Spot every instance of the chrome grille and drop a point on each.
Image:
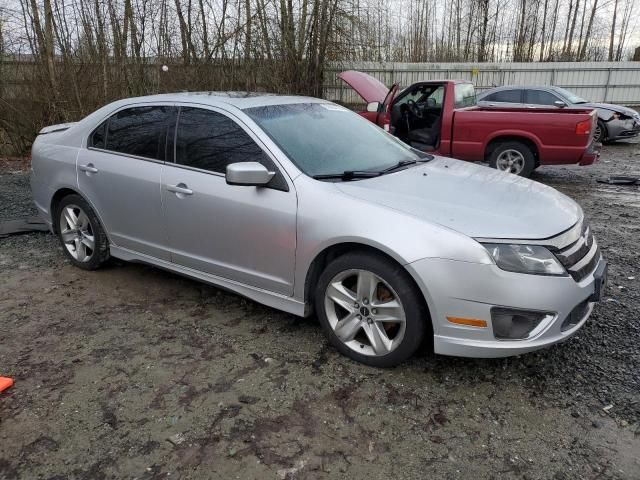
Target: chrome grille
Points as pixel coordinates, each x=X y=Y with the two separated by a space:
x=580 y=257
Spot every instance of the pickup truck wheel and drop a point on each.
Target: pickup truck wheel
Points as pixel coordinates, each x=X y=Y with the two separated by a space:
x=83 y=239
x=513 y=157
x=370 y=309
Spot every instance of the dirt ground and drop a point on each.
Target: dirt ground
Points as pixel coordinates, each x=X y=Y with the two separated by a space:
x=132 y=372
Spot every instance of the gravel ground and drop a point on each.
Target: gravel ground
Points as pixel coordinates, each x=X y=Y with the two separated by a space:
x=132 y=372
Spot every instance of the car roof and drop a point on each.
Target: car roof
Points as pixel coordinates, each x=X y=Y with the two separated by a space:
x=489 y=91
x=521 y=87
x=241 y=100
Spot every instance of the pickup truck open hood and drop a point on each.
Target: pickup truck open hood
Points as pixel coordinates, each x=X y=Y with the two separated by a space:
x=477 y=201
x=369 y=88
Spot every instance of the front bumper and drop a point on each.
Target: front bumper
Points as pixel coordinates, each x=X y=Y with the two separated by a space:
x=621 y=129
x=469 y=290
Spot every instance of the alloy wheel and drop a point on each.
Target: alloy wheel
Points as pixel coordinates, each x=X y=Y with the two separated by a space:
x=365 y=313
x=510 y=161
x=76 y=232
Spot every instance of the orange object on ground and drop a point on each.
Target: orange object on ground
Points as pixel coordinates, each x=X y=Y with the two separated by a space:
x=5 y=383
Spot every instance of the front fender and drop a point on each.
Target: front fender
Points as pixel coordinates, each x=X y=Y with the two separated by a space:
x=328 y=217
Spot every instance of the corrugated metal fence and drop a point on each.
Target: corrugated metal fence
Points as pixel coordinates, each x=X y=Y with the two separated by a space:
x=612 y=82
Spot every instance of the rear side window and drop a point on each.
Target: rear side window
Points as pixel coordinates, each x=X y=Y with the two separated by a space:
x=139 y=131
x=210 y=141
x=505 y=96
x=539 y=97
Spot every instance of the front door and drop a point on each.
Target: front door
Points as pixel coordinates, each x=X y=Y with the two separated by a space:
x=119 y=173
x=241 y=233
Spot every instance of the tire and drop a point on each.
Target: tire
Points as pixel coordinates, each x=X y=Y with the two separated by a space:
x=398 y=339
x=514 y=157
x=601 y=132
x=84 y=243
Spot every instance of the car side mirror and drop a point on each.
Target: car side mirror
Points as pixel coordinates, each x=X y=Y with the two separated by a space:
x=248 y=174
x=373 y=106
x=559 y=104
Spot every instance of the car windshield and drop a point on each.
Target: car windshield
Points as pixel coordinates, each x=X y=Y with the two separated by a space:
x=571 y=97
x=327 y=139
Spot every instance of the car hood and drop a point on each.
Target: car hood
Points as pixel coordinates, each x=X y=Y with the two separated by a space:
x=608 y=106
x=477 y=201
x=369 y=88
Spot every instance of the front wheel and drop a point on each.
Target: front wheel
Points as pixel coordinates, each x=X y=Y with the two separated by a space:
x=370 y=309
x=513 y=157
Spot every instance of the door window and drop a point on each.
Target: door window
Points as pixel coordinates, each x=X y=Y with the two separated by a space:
x=540 y=97
x=505 y=96
x=139 y=131
x=210 y=141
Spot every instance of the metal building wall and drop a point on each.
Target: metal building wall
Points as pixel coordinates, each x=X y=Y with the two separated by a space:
x=613 y=82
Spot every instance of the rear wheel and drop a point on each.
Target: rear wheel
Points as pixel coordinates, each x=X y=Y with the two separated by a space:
x=81 y=235
x=513 y=157
x=370 y=309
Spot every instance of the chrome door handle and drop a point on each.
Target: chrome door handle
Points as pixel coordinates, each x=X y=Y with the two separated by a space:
x=89 y=168
x=180 y=188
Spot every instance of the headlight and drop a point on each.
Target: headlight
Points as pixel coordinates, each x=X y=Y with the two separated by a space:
x=525 y=259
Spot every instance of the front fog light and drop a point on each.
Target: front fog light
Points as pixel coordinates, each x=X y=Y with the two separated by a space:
x=512 y=324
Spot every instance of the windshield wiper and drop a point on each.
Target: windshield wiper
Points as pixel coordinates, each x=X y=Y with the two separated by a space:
x=406 y=163
x=347 y=175
x=400 y=164
x=356 y=174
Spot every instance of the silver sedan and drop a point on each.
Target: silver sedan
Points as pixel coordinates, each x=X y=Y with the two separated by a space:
x=304 y=206
x=615 y=122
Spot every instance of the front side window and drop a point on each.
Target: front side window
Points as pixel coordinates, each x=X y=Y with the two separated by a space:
x=465 y=95
x=139 y=131
x=505 y=96
x=210 y=141
x=540 y=97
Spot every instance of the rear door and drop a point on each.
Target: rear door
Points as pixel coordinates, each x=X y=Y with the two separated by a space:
x=241 y=233
x=119 y=173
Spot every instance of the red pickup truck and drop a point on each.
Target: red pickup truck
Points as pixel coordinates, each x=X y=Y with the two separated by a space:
x=442 y=117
